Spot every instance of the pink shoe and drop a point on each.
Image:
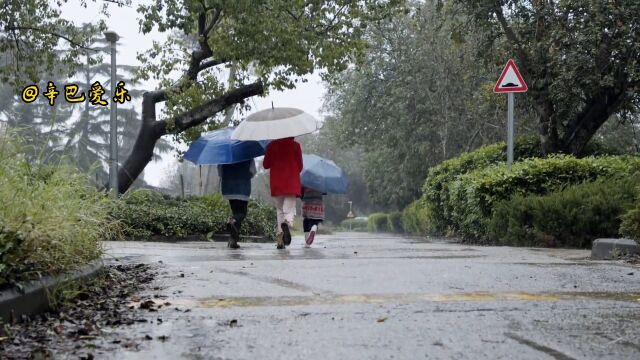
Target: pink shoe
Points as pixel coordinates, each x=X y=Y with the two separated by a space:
x=312 y=234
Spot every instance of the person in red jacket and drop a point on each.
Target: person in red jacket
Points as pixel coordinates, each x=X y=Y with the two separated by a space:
x=283 y=157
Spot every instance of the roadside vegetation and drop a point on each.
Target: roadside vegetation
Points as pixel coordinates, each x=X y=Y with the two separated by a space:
x=145 y=214
x=52 y=218
x=553 y=201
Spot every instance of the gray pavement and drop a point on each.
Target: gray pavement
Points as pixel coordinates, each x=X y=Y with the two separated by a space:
x=364 y=296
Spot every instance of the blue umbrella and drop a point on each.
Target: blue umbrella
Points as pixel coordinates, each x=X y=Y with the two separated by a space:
x=217 y=147
x=323 y=175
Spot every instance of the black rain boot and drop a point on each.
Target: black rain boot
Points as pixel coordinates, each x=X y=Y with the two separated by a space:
x=286 y=234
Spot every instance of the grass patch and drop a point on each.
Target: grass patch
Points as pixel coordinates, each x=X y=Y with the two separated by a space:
x=51 y=219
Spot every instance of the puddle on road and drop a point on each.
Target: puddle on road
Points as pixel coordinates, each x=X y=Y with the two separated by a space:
x=403 y=298
x=284 y=255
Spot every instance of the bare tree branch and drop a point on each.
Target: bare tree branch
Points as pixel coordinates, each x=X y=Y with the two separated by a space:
x=72 y=42
x=201 y=113
x=211 y=63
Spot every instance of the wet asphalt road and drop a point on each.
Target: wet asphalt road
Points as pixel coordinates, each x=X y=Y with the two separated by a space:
x=363 y=296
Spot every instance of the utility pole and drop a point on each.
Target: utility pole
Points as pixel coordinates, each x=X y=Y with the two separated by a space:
x=112 y=38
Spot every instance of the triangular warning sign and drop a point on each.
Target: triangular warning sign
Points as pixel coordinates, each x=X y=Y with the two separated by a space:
x=510 y=80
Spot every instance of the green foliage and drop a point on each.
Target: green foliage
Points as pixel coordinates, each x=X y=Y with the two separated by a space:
x=377 y=222
x=51 y=219
x=417 y=218
x=408 y=104
x=579 y=58
x=146 y=213
x=573 y=217
x=394 y=222
x=36 y=40
x=473 y=196
x=630 y=226
x=436 y=187
x=276 y=41
x=354 y=225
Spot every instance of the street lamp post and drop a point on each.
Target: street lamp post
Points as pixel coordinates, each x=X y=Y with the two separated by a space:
x=112 y=38
x=350 y=214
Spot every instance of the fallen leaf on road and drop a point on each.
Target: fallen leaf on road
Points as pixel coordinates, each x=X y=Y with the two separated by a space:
x=147 y=304
x=382 y=319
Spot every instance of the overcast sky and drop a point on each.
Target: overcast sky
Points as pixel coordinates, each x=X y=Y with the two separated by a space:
x=124 y=21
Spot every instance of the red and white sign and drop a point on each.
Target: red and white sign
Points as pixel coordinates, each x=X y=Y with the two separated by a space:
x=510 y=80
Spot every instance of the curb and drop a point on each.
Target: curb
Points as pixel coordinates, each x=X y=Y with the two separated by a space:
x=608 y=249
x=32 y=297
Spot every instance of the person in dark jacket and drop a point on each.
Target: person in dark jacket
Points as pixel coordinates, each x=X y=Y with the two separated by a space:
x=283 y=157
x=235 y=186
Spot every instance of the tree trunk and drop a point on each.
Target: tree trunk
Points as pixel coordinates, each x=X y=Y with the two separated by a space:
x=142 y=151
x=580 y=131
x=549 y=140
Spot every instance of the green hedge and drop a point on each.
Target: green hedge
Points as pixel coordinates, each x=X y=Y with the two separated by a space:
x=378 y=222
x=473 y=195
x=146 y=213
x=436 y=188
x=354 y=225
x=417 y=218
x=573 y=217
x=630 y=226
x=394 y=222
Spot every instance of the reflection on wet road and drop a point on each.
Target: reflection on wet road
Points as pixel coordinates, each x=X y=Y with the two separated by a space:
x=361 y=296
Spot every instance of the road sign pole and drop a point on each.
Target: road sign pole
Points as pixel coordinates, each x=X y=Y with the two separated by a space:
x=509 y=130
x=510 y=81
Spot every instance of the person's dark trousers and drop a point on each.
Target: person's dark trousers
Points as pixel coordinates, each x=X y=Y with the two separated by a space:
x=239 y=211
x=308 y=223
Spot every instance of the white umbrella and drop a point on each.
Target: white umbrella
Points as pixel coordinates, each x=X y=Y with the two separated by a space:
x=275 y=123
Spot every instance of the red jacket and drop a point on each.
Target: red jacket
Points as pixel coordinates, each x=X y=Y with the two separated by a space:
x=284 y=158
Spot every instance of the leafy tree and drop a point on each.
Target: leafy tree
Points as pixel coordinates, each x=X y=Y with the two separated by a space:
x=420 y=97
x=271 y=43
x=35 y=40
x=579 y=58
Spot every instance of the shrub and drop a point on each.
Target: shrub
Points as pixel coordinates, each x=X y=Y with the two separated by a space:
x=378 y=223
x=473 y=195
x=394 y=222
x=145 y=213
x=51 y=219
x=354 y=225
x=630 y=226
x=417 y=218
x=573 y=217
x=436 y=187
